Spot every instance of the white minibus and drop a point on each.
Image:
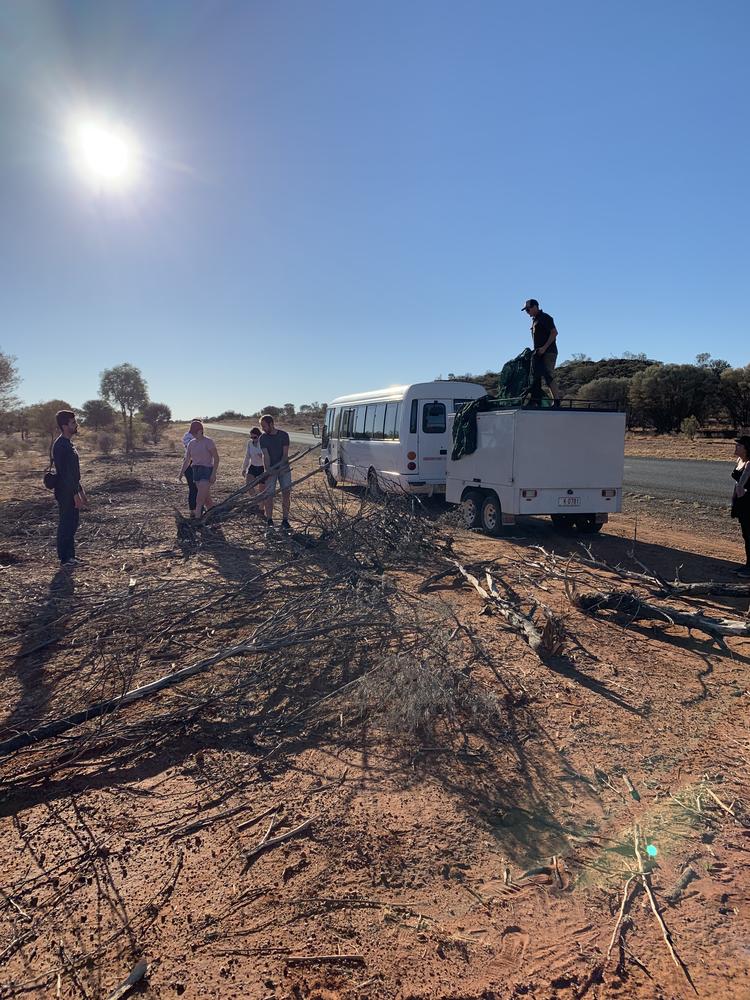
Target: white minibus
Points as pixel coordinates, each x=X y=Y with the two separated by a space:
x=395 y=439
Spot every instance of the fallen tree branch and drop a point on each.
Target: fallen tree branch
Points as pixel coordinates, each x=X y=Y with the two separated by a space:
x=709 y=588
x=637 y=610
x=645 y=880
x=110 y=705
x=269 y=842
x=518 y=621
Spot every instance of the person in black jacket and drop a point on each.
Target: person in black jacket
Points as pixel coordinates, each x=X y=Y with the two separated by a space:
x=741 y=495
x=69 y=492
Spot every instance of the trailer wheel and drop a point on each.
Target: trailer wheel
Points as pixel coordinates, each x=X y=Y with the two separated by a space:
x=563 y=522
x=492 y=517
x=471 y=509
x=588 y=525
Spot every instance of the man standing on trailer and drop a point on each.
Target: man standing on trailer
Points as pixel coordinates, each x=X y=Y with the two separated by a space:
x=544 y=336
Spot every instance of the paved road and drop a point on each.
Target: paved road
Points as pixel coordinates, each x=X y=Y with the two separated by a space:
x=668 y=478
x=300 y=437
x=681 y=479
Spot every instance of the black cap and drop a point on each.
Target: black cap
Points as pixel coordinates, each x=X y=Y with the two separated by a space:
x=528 y=304
x=744 y=440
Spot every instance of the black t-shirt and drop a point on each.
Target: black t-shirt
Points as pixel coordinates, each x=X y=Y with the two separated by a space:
x=541 y=327
x=274 y=444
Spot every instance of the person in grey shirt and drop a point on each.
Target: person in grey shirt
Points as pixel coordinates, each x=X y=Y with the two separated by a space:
x=275 y=445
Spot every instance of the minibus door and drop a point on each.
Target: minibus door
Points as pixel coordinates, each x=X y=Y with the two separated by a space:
x=433 y=439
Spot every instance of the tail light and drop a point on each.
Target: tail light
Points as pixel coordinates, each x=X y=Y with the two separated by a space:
x=411 y=466
x=528 y=494
x=411 y=455
x=609 y=493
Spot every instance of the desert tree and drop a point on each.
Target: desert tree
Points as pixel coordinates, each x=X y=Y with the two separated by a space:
x=606 y=390
x=97 y=413
x=125 y=386
x=156 y=416
x=663 y=395
x=42 y=416
x=735 y=395
x=9 y=379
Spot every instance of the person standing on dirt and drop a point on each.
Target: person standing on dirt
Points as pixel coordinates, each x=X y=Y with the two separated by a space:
x=544 y=337
x=69 y=492
x=202 y=454
x=275 y=445
x=741 y=495
x=252 y=465
x=187 y=437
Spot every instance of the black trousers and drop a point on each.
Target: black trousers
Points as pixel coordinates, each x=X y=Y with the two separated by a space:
x=67 y=526
x=744 y=519
x=192 y=488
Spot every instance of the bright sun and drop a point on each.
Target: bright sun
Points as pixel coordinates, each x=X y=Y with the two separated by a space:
x=107 y=156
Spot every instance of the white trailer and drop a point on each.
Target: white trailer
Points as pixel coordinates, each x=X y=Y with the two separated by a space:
x=567 y=463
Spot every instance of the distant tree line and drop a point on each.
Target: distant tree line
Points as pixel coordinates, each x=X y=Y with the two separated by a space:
x=124 y=386
x=287 y=411
x=657 y=396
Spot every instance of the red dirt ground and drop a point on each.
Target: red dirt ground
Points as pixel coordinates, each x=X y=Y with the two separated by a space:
x=481 y=864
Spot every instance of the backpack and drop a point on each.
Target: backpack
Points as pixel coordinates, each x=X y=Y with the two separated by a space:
x=50 y=476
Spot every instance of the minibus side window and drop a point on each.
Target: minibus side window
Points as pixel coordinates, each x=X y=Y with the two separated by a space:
x=359 y=423
x=392 y=413
x=433 y=418
x=413 y=416
x=370 y=422
x=378 y=421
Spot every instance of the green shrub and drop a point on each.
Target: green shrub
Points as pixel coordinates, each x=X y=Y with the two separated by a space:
x=106 y=443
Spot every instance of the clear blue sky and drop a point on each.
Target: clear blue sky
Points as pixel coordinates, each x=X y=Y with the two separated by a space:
x=339 y=195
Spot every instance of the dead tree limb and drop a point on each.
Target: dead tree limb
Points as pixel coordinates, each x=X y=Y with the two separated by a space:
x=638 y=610
x=646 y=882
x=519 y=622
x=708 y=588
x=268 y=842
x=110 y=705
x=229 y=501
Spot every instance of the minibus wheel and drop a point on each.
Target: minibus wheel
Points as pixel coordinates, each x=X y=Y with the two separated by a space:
x=332 y=481
x=471 y=509
x=492 y=516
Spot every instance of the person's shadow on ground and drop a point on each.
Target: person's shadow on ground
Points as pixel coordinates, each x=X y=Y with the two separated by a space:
x=37 y=640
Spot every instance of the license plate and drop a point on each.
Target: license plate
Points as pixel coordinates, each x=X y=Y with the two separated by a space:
x=568 y=501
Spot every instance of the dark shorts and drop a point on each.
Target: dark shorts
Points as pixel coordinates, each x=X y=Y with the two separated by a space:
x=201 y=473
x=254 y=471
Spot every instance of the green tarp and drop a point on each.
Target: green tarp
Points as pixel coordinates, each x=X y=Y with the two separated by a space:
x=513 y=385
